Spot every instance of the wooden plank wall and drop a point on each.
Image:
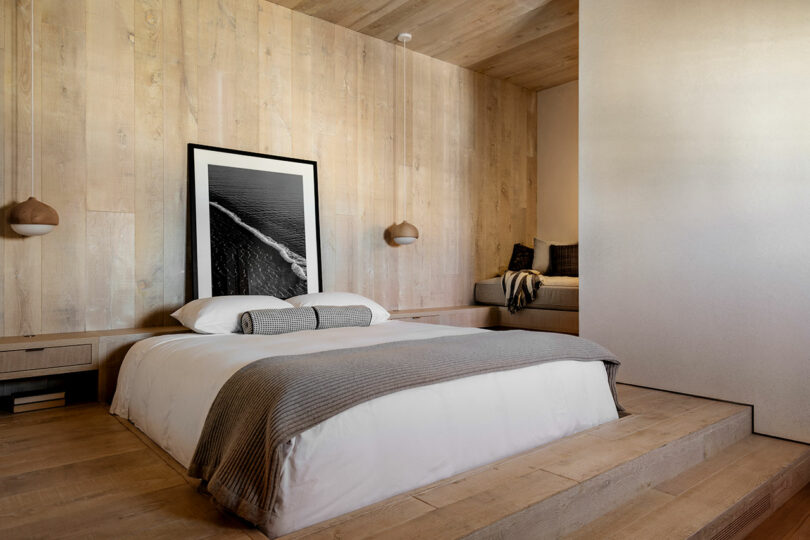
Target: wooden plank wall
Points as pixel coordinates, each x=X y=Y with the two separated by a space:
x=120 y=88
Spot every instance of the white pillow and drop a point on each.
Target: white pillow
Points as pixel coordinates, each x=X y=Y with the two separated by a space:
x=222 y=314
x=378 y=313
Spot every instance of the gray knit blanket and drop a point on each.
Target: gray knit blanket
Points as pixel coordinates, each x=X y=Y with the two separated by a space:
x=269 y=401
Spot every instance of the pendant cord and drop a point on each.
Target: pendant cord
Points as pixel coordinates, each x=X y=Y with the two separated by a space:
x=404 y=133
x=31 y=78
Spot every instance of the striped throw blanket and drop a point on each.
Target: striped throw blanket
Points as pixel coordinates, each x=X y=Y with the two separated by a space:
x=520 y=288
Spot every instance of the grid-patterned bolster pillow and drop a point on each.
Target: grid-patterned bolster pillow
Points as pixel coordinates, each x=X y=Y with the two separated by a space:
x=340 y=316
x=279 y=321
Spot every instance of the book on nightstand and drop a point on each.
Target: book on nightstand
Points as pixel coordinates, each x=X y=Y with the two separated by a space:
x=34 y=401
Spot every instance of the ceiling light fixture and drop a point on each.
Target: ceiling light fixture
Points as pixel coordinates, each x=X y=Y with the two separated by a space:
x=405 y=233
x=32 y=217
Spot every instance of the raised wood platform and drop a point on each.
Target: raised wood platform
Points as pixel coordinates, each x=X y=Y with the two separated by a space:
x=725 y=496
x=677 y=466
x=670 y=441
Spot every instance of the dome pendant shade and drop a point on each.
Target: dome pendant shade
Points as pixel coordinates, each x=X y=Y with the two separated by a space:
x=33 y=218
x=404 y=233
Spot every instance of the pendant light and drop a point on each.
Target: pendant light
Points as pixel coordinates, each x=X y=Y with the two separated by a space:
x=405 y=233
x=32 y=217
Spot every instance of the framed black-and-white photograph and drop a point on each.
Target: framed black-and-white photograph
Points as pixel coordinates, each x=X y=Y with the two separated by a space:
x=255 y=223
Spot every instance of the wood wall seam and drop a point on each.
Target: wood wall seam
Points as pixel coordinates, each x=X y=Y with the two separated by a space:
x=134 y=81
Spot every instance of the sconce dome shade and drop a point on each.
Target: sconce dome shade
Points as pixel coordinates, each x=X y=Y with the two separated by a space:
x=404 y=233
x=29 y=229
x=33 y=218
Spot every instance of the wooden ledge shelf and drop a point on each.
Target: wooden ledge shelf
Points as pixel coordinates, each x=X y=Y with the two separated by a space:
x=482 y=316
x=470 y=316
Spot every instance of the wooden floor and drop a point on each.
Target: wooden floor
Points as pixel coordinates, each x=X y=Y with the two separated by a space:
x=79 y=472
x=684 y=505
x=790 y=522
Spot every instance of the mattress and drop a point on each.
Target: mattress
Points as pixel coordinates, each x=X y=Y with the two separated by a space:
x=558 y=292
x=379 y=448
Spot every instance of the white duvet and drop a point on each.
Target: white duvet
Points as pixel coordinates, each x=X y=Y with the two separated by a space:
x=374 y=450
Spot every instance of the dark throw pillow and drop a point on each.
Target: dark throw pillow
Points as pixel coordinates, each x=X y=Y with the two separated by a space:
x=564 y=260
x=522 y=257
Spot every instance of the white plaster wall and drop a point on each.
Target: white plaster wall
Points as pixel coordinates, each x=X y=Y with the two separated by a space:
x=557 y=163
x=695 y=198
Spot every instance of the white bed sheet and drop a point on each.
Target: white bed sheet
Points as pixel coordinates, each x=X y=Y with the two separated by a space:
x=376 y=449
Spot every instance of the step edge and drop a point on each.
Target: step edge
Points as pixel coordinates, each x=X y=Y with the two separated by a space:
x=717 y=523
x=738 y=422
x=781 y=487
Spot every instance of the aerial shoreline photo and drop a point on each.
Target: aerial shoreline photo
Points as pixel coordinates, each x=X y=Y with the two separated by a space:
x=257 y=222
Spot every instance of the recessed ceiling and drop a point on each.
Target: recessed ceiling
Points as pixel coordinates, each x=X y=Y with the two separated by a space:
x=532 y=43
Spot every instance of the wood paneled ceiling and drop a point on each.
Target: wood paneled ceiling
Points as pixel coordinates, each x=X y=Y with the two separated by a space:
x=532 y=43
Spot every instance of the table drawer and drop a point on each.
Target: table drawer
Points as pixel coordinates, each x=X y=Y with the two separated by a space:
x=45 y=358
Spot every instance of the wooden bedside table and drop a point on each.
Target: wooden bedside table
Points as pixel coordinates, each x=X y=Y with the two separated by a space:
x=23 y=357
x=28 y=357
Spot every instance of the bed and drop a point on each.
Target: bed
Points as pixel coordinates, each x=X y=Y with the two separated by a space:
x=376 y=449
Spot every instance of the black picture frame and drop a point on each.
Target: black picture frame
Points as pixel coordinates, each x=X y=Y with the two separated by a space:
x=234 y=250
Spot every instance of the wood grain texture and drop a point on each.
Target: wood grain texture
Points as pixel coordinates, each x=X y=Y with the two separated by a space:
x=63 y=165
x=149 y=162
x=24 y=359
x=532 y=44
x=180 y=114
x=78 y=472
x=706 y=500
x=790 y=522
x=552 y=490
x=110 y=270
x=470 y=316
x=22 y=286
x=52 y=357
x=127 y=84
x=110 y=106
x=7 y=163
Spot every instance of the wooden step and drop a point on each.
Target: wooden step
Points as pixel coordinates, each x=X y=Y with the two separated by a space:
x=724 y=497
x=558 y=488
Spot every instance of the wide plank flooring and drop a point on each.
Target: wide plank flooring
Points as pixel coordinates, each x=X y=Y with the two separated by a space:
x=790 y=522
x=78 y=472
x=684 y=505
